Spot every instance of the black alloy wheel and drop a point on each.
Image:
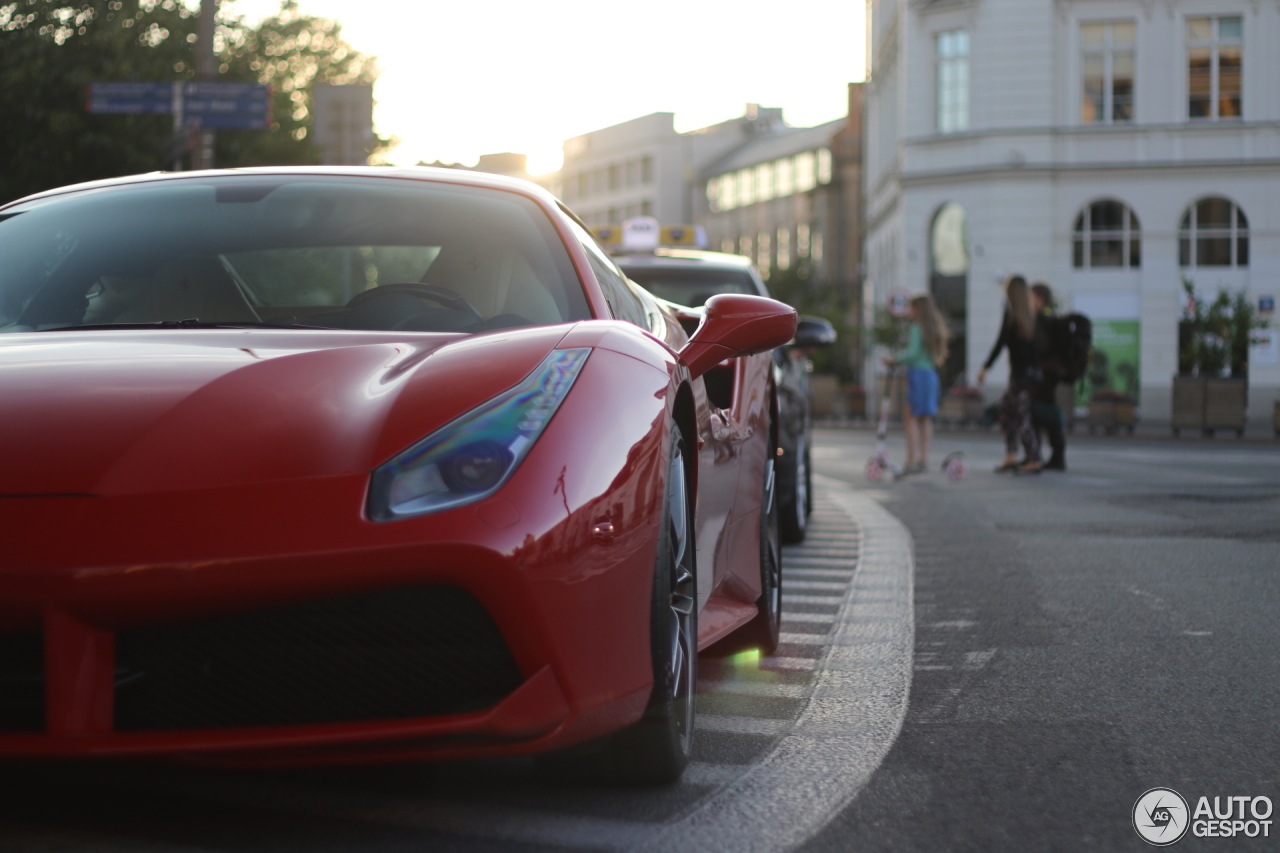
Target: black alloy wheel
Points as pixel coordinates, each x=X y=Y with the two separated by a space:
x=763 y=631
x=794 y=508
x=657 y=749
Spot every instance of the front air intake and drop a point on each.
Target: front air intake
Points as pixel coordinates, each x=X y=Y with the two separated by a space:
x=410 y=652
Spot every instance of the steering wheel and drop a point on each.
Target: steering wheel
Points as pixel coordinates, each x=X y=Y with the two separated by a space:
x=433 y=292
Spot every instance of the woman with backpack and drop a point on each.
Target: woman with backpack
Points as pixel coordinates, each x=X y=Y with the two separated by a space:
x=926 y=351
x=1017 y=335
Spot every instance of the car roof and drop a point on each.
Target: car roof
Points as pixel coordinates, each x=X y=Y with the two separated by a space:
x=420 y=173
x=683 y=258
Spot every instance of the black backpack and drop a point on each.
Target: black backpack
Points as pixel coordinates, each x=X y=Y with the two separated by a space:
x=1072 y=344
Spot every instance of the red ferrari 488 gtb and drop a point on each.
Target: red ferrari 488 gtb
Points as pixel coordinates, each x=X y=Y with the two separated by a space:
x=346 y=465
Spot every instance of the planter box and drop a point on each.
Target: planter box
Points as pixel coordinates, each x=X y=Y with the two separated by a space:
x=856 y=402
x=1225 y=401
x=1188 y=403
x=1111 y=415
x=823 y=388
x=1209 y=403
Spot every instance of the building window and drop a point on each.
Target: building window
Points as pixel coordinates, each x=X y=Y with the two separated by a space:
x=1107 y=62
x=613 y=216
x=1215 y=59
x=615 y=177
x=762 y=254
x=1213 y=233
x=746 y=187
x=764 y=182
x=802 y=239
x=584 y=184
x=805 y=178
x=815 y=246
x=783 y=174
x=646 y=170
x=784 y=248
x=646 y=208
x=727 y=246
x=824 y=165
x=1106 y=234
x=728 y=192
x=744 y=245
x=633 y=171
x=952 y=51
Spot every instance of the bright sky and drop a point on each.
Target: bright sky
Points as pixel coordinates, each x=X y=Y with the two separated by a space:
x=464 y=79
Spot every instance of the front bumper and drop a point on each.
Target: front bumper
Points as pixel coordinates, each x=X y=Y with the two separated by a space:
x=102 y=594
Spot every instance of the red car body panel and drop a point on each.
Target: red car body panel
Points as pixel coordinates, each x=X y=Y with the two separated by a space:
x=154 y=477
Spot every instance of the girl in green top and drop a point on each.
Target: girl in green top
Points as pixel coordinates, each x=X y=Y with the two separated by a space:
x=926 y=351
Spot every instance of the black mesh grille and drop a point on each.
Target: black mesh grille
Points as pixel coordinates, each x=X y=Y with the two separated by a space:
x=21 y=682
x=412 y=652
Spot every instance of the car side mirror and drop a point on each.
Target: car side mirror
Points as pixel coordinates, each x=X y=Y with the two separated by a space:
x=735 y=324
x=814 y=332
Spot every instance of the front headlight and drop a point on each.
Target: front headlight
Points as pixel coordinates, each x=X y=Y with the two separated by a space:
x=471 y=457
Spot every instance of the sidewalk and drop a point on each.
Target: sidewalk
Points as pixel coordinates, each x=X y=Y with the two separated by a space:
x=1142 y=432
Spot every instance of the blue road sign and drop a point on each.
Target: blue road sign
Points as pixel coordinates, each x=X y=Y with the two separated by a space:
x=209 y=105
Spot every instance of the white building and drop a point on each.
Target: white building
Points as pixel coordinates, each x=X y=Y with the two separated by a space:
x=1108 y=147
x=643 y=167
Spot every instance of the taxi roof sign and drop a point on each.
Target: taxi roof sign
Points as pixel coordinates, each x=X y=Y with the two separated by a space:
x=644 y=234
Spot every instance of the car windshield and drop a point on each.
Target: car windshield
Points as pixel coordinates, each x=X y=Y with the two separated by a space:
x=691 y=287
x=367 y=253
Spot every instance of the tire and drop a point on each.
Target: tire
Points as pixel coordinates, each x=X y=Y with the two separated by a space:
x=808 y=484
x=657 y=749
x=764 y=630
x=793 y=509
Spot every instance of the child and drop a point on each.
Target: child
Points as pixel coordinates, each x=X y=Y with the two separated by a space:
x=926 y=351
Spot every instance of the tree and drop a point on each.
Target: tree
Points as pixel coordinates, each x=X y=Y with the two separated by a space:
x=51 y=50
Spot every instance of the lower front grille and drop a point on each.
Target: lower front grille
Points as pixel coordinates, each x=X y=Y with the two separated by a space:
x=412 y=652
x=21 y=682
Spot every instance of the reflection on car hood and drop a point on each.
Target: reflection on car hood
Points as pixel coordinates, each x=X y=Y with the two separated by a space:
x=120 y=412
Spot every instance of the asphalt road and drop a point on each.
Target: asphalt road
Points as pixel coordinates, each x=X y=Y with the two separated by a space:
x=1080 y=639
x=1057 y=646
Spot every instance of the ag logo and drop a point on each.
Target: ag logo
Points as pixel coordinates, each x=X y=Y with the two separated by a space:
x=1161 y=817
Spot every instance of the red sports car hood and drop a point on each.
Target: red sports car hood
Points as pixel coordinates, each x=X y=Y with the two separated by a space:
x=118 y=412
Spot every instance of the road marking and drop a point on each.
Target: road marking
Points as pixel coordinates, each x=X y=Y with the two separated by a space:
x=789 y=663
x=791 y=572
x=802 y=639
x=788 y=598
x=818 y=585
x=808 y=617
x=829 y=753
x=955 y=624
x=756 y=688
x=977 y=660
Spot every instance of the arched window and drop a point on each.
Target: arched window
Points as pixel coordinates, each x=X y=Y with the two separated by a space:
x=1213 y=233
x=1106 y=234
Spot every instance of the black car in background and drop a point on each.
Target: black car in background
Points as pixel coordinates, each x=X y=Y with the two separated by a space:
x=689 y=277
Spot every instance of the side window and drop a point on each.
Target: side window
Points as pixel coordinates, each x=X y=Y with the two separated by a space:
x=623 y=301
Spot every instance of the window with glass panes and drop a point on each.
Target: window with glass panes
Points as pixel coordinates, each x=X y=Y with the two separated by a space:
x=1106 y=234
x=952 y=52
x=1213 y=233
x=1215 y=62
x=1107 y=66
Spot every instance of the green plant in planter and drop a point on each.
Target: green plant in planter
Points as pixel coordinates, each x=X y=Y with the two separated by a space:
x=1214 y=336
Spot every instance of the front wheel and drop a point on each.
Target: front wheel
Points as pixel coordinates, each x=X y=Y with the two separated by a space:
x=764 y=631
x=794 y=507
x=657 y=749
